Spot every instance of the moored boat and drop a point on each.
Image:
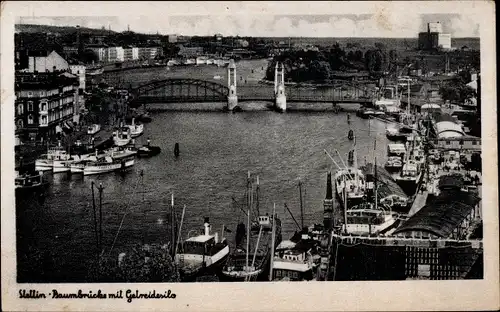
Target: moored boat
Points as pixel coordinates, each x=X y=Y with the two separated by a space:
x=350 y=185
x=135 y=129
x=201 y=253
x=253 y=264
x=396 y=149
x=122 y=136
x=30 y=183
x=297 y=259
x=409 y=177
x=46 y=162
x=366 y=219
x=107 y=164
x=394 y=163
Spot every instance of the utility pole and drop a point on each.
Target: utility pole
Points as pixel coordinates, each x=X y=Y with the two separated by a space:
x=101 y=188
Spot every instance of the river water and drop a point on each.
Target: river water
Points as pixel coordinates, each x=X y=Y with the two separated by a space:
x=56 y=239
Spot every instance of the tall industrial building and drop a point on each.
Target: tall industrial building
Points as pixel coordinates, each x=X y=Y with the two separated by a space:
x=434 y=38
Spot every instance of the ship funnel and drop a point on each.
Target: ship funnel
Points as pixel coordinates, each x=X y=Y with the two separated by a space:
x=329 y=186
x=207 y=226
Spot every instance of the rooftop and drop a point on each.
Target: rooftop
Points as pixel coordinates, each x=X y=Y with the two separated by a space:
x=441 y=216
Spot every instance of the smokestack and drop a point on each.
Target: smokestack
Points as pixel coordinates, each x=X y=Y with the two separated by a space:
x=329 y=186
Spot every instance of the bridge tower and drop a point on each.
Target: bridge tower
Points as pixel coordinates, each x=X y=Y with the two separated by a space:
x=232 y=98
x=279 y=87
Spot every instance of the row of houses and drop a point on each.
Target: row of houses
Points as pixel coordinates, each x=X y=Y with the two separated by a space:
x=111 y=54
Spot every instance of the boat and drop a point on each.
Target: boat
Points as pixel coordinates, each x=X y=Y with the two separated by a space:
x=201 y=253
x=389 y=193
x=366 y=220
x=30 y=183
x=396 y=149
x=147 y=150
x=394 y=163
x=410 y=176
x=116 y=154
x=350 y=185
x=135 y=129
x=217 y=77
x=93 y=129
x=254 y=264
x=64 y=165
x=108 y=164
x=297 y=259
x=145 y=117
x=366 y=113
x=46 y=162
x=122 y=136
x=398 y=133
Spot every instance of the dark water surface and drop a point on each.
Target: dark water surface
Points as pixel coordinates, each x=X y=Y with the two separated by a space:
x=56 y=240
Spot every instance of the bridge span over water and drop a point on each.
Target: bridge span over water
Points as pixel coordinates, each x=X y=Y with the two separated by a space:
x=188 y=90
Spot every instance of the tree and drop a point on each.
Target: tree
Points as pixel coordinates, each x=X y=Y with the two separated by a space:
x=142 y=264
x=88 y=56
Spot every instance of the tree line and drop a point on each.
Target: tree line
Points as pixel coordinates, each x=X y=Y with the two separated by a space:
x=320 y=65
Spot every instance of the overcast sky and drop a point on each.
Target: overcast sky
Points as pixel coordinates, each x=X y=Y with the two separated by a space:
x=404 y=22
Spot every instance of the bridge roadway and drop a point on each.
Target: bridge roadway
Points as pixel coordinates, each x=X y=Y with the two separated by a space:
x=193 y=90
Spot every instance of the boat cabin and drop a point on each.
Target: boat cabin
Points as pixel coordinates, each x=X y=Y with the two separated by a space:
x=410 y=169
x=200 y=245
x=368 y=221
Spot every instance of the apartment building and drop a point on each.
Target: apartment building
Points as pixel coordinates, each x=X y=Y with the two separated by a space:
x=43 y=102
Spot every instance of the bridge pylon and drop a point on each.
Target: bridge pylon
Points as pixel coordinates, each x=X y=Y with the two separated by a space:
x=232 y=98
x=279 y=87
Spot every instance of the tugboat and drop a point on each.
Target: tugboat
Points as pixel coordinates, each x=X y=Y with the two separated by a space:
x=201 y=254
x=148 y=151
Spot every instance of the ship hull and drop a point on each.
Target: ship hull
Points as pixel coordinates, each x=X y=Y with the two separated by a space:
x=409 y=186
x=214 y=269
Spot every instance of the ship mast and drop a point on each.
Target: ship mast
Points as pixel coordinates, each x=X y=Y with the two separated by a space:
x=301 y=206
x=248 y=228
x=257 y=191
x=376 y=184
x=356 y=176
x=273 y=241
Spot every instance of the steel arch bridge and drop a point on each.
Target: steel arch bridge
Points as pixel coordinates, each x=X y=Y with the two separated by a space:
x=187 y=90
x=175 y=90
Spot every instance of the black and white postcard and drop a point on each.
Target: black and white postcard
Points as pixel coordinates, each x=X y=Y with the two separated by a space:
x=249 y=156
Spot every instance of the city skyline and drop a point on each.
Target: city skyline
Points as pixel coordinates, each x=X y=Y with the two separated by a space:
x=343 y=25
